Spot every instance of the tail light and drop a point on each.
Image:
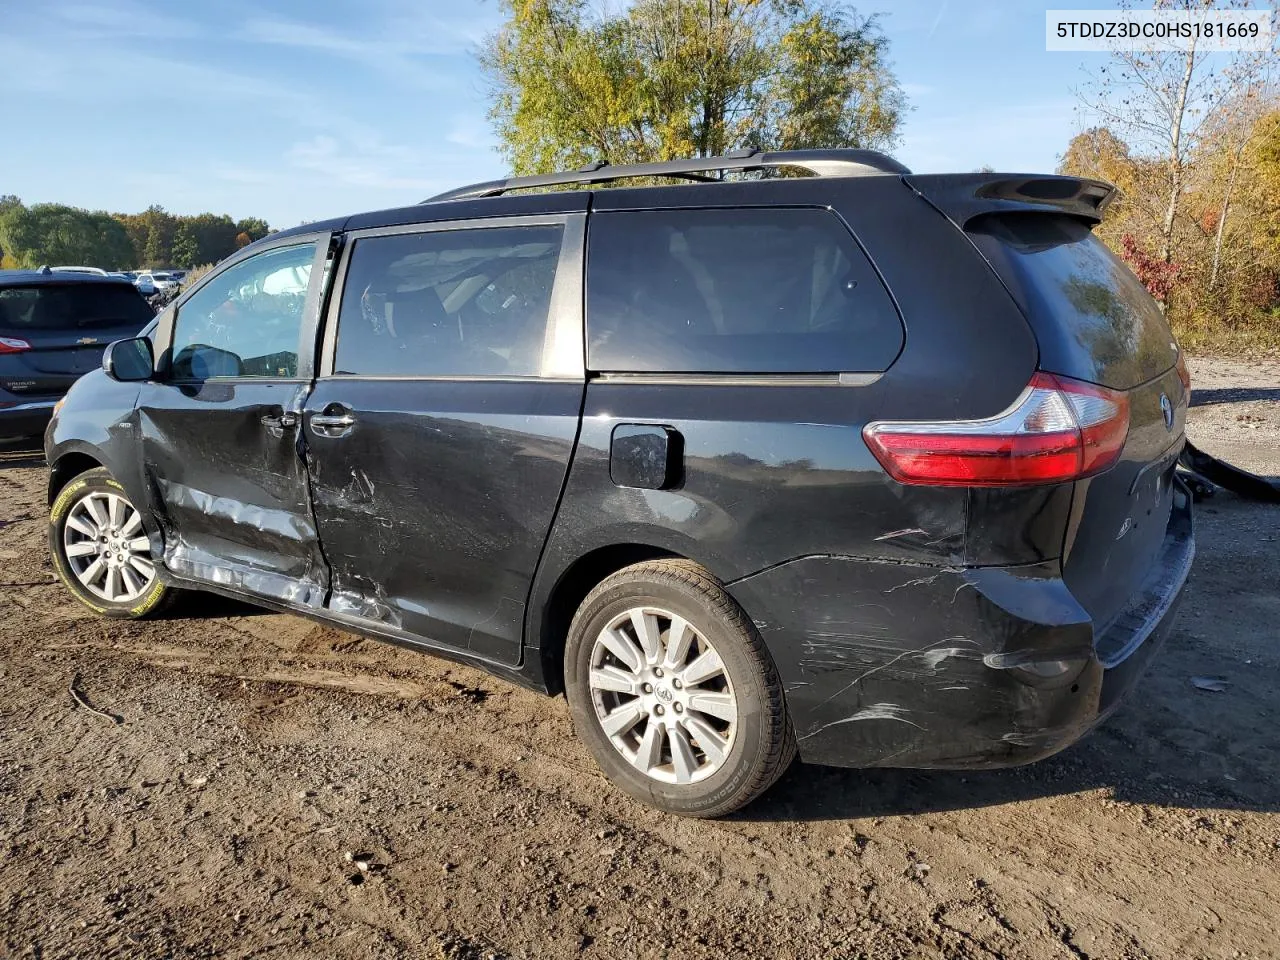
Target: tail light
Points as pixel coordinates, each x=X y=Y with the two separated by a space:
x=1183 y=373
x=13 y=345
x=1058 y=430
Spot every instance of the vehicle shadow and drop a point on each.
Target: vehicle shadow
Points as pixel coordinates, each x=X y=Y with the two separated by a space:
x=21 y=452
x=1113 y=758
x=198 y=605
x=1210 y=397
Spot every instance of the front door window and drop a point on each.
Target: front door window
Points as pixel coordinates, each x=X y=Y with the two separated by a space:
x=246 y=321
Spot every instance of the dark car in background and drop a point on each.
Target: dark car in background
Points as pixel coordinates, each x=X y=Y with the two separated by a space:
x=53 y=328
x=873 y=467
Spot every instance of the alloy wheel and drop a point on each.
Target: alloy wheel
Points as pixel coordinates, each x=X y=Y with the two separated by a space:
x=662 y=695
x=107 y=549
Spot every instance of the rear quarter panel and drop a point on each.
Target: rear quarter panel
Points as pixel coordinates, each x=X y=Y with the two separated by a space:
x=773 y=473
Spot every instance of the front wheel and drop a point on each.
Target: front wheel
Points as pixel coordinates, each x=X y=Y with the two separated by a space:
x=673 y=691
x=100 y=549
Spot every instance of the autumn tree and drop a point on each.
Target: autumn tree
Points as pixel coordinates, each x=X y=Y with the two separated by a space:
x=661 y=79
x=1160 y=102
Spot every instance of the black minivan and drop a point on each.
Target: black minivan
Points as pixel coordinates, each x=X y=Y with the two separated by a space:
x=871 y=466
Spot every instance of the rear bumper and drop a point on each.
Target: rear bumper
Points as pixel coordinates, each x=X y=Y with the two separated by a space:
x=25 y=418
x=889 y=664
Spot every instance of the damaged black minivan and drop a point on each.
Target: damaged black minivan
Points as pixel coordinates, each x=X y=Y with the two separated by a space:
x=871 y=466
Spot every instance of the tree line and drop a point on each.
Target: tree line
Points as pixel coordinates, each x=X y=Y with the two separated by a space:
x=54 y=234
x=1191 y=140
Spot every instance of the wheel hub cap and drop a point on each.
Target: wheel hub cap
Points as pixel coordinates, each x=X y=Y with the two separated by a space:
x=662 y=696
x=106 y=548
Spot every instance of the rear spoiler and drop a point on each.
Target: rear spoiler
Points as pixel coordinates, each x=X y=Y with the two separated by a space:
x=963 y=196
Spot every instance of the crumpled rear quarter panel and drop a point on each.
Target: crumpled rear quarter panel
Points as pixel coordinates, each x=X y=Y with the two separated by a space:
x=900 y=664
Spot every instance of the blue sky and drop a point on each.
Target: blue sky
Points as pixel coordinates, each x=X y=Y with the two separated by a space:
x=295 y=111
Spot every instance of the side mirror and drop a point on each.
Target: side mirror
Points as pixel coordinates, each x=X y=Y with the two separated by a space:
x=129 y=361
x=200 y=361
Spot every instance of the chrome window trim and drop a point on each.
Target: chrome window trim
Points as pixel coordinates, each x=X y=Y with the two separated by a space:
x=741 y=379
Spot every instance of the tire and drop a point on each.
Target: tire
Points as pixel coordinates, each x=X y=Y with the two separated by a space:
x=701 y=746
x=95 y=493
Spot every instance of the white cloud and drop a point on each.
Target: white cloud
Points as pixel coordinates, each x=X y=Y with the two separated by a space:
x=121 y=19
x=401 y=56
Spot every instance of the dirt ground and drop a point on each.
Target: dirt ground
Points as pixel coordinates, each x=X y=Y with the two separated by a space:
x=275 y=788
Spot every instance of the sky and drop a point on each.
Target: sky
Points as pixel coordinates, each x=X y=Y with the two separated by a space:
x=295 y=111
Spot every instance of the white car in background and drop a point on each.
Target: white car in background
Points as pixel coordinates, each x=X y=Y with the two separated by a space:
x=158 y=281
x=97 y=271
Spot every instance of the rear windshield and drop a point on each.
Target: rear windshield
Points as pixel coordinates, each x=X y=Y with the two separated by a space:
x=1092 y=317
x=54 y=306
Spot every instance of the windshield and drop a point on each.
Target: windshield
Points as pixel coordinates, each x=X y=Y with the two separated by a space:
x=57 y=306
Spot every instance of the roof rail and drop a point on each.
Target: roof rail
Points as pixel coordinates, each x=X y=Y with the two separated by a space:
x=823 y=163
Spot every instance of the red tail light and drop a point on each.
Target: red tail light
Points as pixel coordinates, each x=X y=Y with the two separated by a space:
x=13 y=345
x=1058 y=430
x=1183 y=373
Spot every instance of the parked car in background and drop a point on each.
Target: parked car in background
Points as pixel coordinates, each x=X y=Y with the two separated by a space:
x=95 y=271
x=160 y=280
x=145 y=283
x=53 y=328
x=672 y=451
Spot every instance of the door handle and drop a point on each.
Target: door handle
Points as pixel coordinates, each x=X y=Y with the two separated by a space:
x=336 y=421
x=280 y=420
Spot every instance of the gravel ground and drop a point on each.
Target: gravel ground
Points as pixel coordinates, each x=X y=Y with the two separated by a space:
x=269 y=787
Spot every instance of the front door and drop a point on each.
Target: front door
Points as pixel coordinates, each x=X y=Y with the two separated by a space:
x=220 y=427
x=442 y=427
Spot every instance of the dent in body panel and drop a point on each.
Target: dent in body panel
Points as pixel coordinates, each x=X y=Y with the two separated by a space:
x=434 y=508
x=925 y=679
x=226 y=485
x=266 y=521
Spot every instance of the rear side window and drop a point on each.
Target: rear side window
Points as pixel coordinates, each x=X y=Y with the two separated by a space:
x=1093 y=318
x=72 y=306
x=471 y=302
x=734 y=291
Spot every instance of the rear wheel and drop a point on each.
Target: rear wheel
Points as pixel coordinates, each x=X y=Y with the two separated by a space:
x=673 y=691
x=100 y=549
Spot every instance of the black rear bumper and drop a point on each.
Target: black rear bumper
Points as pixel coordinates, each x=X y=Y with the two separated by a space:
x=26 y=418
x=889 y=664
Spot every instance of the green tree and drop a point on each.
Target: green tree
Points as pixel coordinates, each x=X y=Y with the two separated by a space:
x=9 y=204
x=255 y=227
x=55 y=234
x=157 y=245
x=833 y=87
x=186 y=247
x=214 y=236
x=667 y=78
